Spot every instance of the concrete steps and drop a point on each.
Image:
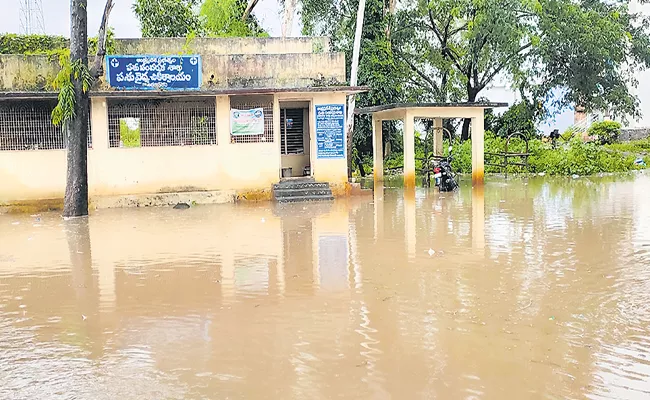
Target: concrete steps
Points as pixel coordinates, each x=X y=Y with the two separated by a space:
x=301 y=189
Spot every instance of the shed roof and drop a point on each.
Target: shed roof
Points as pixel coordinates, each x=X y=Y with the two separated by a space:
x=40 y=95
x=404 y=106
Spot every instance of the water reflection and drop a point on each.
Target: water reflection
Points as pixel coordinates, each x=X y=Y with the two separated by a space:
x=531 y=288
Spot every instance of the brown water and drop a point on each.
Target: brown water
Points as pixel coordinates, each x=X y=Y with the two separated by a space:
x=538 y=289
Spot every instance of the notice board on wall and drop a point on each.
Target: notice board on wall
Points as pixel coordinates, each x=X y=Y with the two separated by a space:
x=330 y=131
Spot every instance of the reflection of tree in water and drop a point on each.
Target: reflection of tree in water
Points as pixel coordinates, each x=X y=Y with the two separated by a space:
x=84 y=284
x=581 y=230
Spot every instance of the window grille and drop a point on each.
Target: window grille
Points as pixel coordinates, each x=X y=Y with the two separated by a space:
x=27 y=125
x=156 y=122
x=292 y=135
x=249 y=103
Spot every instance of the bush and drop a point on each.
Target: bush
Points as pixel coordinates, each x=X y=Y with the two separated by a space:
x=519 y=118
x=607 y=132
x=574 y=157
x=11 y=43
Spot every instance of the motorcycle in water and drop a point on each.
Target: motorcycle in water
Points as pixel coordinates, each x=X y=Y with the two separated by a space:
x=444 y=175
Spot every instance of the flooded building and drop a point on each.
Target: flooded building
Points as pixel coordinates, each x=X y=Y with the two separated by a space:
x=215 y=118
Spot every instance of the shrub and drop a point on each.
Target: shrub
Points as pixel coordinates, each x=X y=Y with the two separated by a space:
x=11 y=43
x=607 y=132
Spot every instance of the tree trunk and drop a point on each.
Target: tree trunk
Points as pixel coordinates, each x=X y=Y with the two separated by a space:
x=249 y=10
x=471 y=97
x=76 y=189
x=98 y=65
x=349 y=128
x=287 y=17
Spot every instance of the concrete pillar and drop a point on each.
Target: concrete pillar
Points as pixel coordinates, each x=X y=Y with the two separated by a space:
x=377 y=150
x=222 y=105
x=99 y=123
x=438 y=136
x=277 y=132
x=477 y=149
x=409 y=151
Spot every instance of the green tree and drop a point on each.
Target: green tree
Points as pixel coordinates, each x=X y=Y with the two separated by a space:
x=586 y=50
x=378 y=67
x=168 y=18
x=181 y=18
x=229 y=18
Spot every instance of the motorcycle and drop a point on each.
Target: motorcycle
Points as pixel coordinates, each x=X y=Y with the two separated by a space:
x=444 y=175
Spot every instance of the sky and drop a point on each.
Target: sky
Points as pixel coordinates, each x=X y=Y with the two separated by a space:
x=56 y=15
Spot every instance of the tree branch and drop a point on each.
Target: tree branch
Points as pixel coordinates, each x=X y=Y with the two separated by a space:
x=489 y=76
x=249 y=9
x=98 y=66
x=424 y=76
x=443 y=43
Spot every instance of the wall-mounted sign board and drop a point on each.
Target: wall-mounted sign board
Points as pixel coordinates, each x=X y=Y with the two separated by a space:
x=330 y=131
x=152 y=72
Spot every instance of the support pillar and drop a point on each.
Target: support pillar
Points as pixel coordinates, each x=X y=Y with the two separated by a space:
x=377 y=151
x=409 y=151
x=477 y=150
x=437 y=136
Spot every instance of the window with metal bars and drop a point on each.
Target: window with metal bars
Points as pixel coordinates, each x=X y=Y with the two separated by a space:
x=162 y=122
x=27 y=125
x=293 y=134
x=249 y=103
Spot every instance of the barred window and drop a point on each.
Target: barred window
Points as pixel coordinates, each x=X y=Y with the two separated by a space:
x=162 y=122
x=27 y=125
x=292 y=136
x=245 y=103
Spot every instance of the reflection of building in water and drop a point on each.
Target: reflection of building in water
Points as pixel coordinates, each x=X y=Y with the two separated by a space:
x=333 y=260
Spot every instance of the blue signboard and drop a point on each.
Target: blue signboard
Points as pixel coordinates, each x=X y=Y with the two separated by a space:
x=330 y=131
x=145 y=72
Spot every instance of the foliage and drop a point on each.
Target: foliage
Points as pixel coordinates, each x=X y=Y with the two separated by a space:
x=591 y=50
x=11 y=43
x=65 y=108
x=110 y=42
x=607 y=132
x=569 y=134
x=167 y=18
x=455 y=48
x=180 y=18
x=222 y=18
x=519 y=118
x=575 y=158
x=378 y=67
x=636 y=146
x=579 y=158
x=129 y=136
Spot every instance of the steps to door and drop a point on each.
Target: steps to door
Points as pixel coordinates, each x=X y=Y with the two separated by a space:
x=301 y=189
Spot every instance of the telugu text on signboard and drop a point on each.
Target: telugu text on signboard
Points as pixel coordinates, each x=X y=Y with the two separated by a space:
x=330 y=131
x=247 y=122
x=154 y=72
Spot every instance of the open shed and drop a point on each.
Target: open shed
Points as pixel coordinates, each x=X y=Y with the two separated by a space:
x=408 y=113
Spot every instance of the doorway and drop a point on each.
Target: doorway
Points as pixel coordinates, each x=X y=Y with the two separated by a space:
x=294 y=139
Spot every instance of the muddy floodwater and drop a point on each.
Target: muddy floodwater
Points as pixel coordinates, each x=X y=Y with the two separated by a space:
x=534 y=288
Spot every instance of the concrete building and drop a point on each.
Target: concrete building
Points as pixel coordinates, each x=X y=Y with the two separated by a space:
x=182 y=139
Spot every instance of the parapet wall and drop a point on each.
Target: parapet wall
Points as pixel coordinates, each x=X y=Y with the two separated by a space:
x=223 y=46
x=36 y=73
